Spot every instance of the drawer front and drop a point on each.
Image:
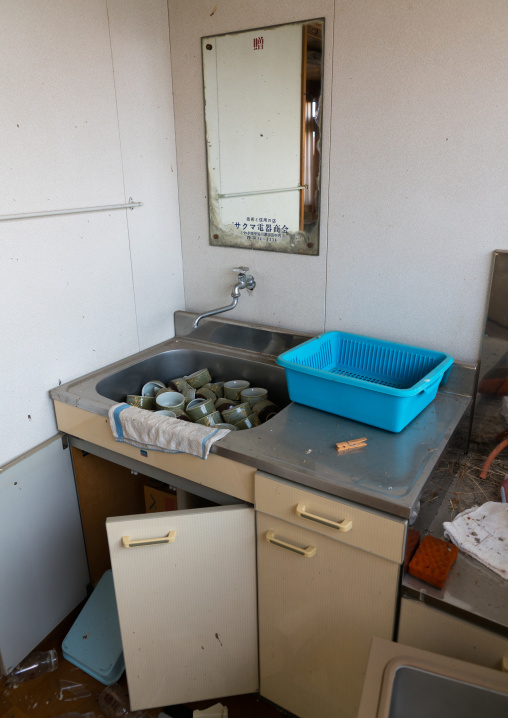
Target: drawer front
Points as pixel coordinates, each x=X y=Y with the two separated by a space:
x=338 y=519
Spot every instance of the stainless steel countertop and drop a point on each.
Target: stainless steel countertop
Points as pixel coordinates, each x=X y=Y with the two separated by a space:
x=298 y=444
x=472 y=591
x=388 y=474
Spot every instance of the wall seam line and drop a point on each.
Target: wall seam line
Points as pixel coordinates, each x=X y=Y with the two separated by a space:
x=123 y=177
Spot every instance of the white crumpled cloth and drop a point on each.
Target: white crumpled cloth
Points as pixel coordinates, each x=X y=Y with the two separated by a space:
x=482 y=532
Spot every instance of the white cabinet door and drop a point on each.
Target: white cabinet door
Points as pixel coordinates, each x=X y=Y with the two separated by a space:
x=43 y=568
x=187 y=607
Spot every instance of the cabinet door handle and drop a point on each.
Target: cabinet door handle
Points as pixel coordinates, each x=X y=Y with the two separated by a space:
x=345 y=525
x=127 y=543
x=504 y=664
x=305 y=552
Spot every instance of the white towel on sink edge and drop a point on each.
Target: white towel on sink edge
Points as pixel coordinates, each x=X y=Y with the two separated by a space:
x=482 y=532
x=156 y=432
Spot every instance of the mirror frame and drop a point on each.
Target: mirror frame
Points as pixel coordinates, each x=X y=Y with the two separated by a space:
x=305 y=239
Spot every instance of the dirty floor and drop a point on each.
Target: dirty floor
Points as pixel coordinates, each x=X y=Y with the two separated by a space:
x=39 y=698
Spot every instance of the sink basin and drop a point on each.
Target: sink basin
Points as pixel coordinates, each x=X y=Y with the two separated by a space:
x=228 y=350
x=406 y=682
x=177 y=362
x=422 y=694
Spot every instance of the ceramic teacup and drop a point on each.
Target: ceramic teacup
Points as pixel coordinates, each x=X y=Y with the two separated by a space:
x=249 y=422
x=217 y=387
x=180 y=414
x=265 y=409
x=198 y=408
x=152 y=387
x=179 y=384
x=204 y=393
x=253 y=394
x=210 y=419
x=233 y=389
x=231 y=427
x=189 y=394
x=142 y=402
x=198 y=378
x=170 y=400
x=163 y=390
x=232 y=416
x=223 y=404
x=166 y=412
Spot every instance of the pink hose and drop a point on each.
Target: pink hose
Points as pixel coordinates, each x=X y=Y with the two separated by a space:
x=490 y=458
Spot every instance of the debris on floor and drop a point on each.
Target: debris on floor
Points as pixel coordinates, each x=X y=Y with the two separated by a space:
x=114 y=702
x=71 y=691
x=34 y=665
x=215 y=711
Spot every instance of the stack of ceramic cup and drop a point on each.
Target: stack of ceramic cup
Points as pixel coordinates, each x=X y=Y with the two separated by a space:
x=231 y=404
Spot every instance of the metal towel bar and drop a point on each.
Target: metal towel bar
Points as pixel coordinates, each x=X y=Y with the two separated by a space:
x=262 y=191
x=50 y=213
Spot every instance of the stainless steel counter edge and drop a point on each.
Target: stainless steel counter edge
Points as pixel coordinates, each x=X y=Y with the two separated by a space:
x=472 y=593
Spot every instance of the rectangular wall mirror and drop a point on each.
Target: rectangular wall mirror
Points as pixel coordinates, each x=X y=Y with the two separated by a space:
x=263 y=93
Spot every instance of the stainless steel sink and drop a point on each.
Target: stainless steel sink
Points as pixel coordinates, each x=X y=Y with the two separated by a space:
x=230 y=350
x=176 y=362
x=406 y=682
x=422 y=694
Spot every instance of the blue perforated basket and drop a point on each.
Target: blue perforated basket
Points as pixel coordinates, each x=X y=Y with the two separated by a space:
x=369 y=380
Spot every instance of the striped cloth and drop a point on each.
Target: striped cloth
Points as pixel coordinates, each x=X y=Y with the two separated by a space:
x=156 y=432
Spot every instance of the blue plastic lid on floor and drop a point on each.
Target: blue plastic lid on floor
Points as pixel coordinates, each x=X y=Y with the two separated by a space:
x=94 y=643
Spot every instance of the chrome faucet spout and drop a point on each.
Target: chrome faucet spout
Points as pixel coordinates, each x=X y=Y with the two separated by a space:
x=216 y=311
x=245 y=281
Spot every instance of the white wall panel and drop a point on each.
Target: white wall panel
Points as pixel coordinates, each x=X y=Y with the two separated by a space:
x=290 y=288
x=60 y=144
x=86 y=120
x=142 y=69
x=67 y=308
x=419 y=169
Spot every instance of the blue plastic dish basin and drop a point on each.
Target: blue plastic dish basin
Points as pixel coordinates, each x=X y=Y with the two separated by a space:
x=376 y=382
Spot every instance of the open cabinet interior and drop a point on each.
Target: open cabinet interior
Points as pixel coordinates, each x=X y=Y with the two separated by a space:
x=107 y=489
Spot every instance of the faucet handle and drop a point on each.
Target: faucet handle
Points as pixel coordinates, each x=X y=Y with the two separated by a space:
x=241 y=270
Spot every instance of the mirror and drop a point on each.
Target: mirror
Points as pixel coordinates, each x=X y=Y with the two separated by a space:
x=263 y=136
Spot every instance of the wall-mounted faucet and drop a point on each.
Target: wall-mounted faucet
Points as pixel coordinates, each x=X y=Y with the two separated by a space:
x=245 y=281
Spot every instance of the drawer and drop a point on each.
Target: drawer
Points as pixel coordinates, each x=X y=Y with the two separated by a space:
x=340 y=520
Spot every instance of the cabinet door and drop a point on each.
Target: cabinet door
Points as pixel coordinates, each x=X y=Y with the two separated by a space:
x=185 y=584
x=320 y=604
x=43 y=569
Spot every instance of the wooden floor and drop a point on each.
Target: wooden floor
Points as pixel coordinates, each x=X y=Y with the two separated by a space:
x=39 y=698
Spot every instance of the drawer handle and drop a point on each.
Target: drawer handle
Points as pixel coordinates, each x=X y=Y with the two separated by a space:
x=305 y=552
x=504 y=664
x=345 y=525
x=127 y=543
